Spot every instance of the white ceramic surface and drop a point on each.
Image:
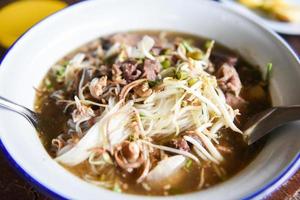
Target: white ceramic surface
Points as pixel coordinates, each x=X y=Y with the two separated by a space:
x=281 y=27
x=30 y=58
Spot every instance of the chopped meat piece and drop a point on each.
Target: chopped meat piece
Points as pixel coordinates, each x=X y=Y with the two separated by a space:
x=156 y=50
x=97 y=86
x=72 y=84
x=94 y=60
x=151 y=68
x=236 y=102
x=228 y=79
x=180 y=144
x=123 y=38
x=90 y=74
x=131 y=39
x=106 y=43
x=175 y=59
x=143 y=90
x=220 y=58
x=130 y=70
x=82 y=112
x=211 y=68
x=103 y=70
x=126 y=89
x=94 y=53
x=117 y=74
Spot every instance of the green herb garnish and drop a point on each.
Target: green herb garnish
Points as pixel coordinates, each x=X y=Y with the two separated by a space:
x=65 y=64
x=269 y=70
x=187 y=45
x=192 y=81
x=48 y=84
x=166 y=64
x=102 y=177
x=182 y=75
x=60 y=73
x=117 y=188
x=131 y=138
x=166 y=51
x=153 y=83
x=188 y=164
x=208 y=44
x=196 y=55
x=183 y=103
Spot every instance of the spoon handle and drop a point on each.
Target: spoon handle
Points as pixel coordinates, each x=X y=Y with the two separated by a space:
x=287 y=114
x=272 y=118
x=25 y=112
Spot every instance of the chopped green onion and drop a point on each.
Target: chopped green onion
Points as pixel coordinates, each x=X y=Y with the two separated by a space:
x=188 y=46
x=153 y=83
x=166 y=51
x=192 y=81
x=183 y=103
x=269 y=70
x=65 y=64
x=60 y=73
x=131 y=138
x=117 y=188
x=196 y=55
x=188 y=163
x=181 y=75
x=170 y=72
x=166 y=64
x=48 y=84
x=207 y=44
x=102 y=177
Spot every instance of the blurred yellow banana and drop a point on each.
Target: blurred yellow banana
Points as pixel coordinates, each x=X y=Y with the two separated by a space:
x=17 y=17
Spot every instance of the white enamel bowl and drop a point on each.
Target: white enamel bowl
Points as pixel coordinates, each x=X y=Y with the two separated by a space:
x=29 y=59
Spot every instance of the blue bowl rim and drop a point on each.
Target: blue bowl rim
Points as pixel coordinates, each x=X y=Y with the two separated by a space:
x=265 y=190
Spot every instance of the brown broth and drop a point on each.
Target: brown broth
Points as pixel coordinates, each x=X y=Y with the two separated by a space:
x=234 y=162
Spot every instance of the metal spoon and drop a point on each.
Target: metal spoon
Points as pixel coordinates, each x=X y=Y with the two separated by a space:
x=34 y=118
x=266 y=121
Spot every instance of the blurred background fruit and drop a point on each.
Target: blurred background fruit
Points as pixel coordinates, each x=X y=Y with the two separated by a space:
x=18 y=16
x=278 y=9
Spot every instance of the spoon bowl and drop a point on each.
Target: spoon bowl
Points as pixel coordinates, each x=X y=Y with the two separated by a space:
x=264 y=122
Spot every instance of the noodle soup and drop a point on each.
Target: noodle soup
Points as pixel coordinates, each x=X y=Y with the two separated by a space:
x=152 y=113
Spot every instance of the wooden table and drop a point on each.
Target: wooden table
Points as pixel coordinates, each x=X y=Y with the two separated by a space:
x=14 y=186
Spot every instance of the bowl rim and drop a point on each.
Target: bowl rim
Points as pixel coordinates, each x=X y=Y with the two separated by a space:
x=266 y=189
